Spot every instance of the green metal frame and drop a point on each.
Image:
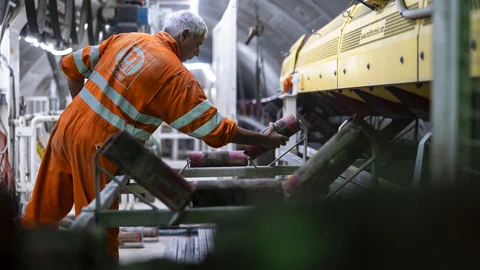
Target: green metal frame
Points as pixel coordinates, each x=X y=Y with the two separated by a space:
x=452 y=93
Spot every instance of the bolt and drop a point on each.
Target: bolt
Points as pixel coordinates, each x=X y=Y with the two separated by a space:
x=344 y=71
x=422 y=55
x=401 y=59
x=308 y=78
x=368 y=66
x=473 y=44
x=320 y=76
x=335 y=73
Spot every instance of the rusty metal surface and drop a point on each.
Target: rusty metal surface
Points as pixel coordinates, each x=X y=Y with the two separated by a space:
x=384 y=107
x=148 y=170
x=330 y=161
x=287 y=126
x=218 y=159
x=420 y=106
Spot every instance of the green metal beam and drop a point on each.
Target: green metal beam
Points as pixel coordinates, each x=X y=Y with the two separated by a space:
x=131 y=218
x=107 y=197
x=251 y=172
x=452 y=94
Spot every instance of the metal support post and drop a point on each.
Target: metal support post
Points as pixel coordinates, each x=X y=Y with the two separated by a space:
x=417 y=175
x=289 y=108
x=451 y=104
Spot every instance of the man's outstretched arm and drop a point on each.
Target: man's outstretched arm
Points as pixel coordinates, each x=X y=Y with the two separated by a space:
x=269 y=139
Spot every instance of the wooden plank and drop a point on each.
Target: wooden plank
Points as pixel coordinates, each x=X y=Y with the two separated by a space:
x=196 y=251
x=210 y=240
x=189 y=253
x=202 y=243
x=170 y=251
x=182 y=246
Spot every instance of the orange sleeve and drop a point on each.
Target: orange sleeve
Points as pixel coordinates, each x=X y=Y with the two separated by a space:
x=191 y=113
x=80 y=64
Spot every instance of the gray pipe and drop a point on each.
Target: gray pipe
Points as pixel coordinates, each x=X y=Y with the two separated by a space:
x=413 y=14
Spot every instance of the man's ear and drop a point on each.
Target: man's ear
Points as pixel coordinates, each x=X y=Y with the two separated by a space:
x=184 y=35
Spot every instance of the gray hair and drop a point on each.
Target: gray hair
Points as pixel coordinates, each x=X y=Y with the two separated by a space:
x=185 y=19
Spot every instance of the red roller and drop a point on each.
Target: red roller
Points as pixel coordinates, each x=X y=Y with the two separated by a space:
x=218 y=159
x=287 y=126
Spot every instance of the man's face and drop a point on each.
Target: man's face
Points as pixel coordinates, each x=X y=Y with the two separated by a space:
x=190 y=45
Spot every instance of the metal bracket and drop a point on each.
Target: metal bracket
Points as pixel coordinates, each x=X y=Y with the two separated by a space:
x=417 y=175
x=373 y=162
x=304 y=140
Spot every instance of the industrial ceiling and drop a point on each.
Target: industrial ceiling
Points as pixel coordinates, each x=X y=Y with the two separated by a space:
x=284 y=22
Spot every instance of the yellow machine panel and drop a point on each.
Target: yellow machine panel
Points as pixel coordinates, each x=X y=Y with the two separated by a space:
x=288 y=65
x=379 y=60
x=475 y=42
x=378 y=48
x=317 y=60
x=425 y=48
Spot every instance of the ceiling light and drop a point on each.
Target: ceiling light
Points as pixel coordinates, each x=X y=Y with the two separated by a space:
x=47 y=47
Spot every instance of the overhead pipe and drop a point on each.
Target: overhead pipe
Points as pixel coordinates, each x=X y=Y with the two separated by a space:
x=413 y=14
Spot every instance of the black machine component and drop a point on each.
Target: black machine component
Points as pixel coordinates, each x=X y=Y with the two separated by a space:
x=131 y=18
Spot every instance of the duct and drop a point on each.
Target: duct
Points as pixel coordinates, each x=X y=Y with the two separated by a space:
x=414 y=13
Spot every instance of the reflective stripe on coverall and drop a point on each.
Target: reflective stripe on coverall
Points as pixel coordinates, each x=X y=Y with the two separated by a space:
x=137 y=82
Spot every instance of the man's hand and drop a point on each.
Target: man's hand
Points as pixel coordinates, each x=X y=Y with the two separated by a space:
x=274 y=140
x=269 y=139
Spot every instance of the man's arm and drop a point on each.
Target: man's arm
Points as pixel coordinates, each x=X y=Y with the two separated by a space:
x=269 y=139
x=75 y=86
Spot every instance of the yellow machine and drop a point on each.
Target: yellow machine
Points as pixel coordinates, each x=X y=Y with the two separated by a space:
x=373 y=61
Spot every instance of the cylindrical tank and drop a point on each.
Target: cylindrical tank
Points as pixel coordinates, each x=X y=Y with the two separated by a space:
x=218 y=159
x=287 y=126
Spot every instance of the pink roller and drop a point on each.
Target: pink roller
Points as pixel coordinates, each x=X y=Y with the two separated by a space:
x=218 y=159
x=287 y=126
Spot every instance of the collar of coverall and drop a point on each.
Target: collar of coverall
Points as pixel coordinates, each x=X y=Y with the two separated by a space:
x=166 y=39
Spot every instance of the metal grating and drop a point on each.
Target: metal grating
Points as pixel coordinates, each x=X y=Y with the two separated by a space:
x=328 y=49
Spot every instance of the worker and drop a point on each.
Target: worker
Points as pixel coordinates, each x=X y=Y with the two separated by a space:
x=131 y=82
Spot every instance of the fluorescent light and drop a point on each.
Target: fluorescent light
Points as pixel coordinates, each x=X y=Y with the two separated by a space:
x=206 y=68
x=62 y=52
x=194 y=5
x=85 y=26
x=30 y=39
x=47 y=47
x=43 y=46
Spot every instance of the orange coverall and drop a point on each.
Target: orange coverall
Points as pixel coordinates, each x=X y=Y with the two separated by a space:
x=135 y=82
